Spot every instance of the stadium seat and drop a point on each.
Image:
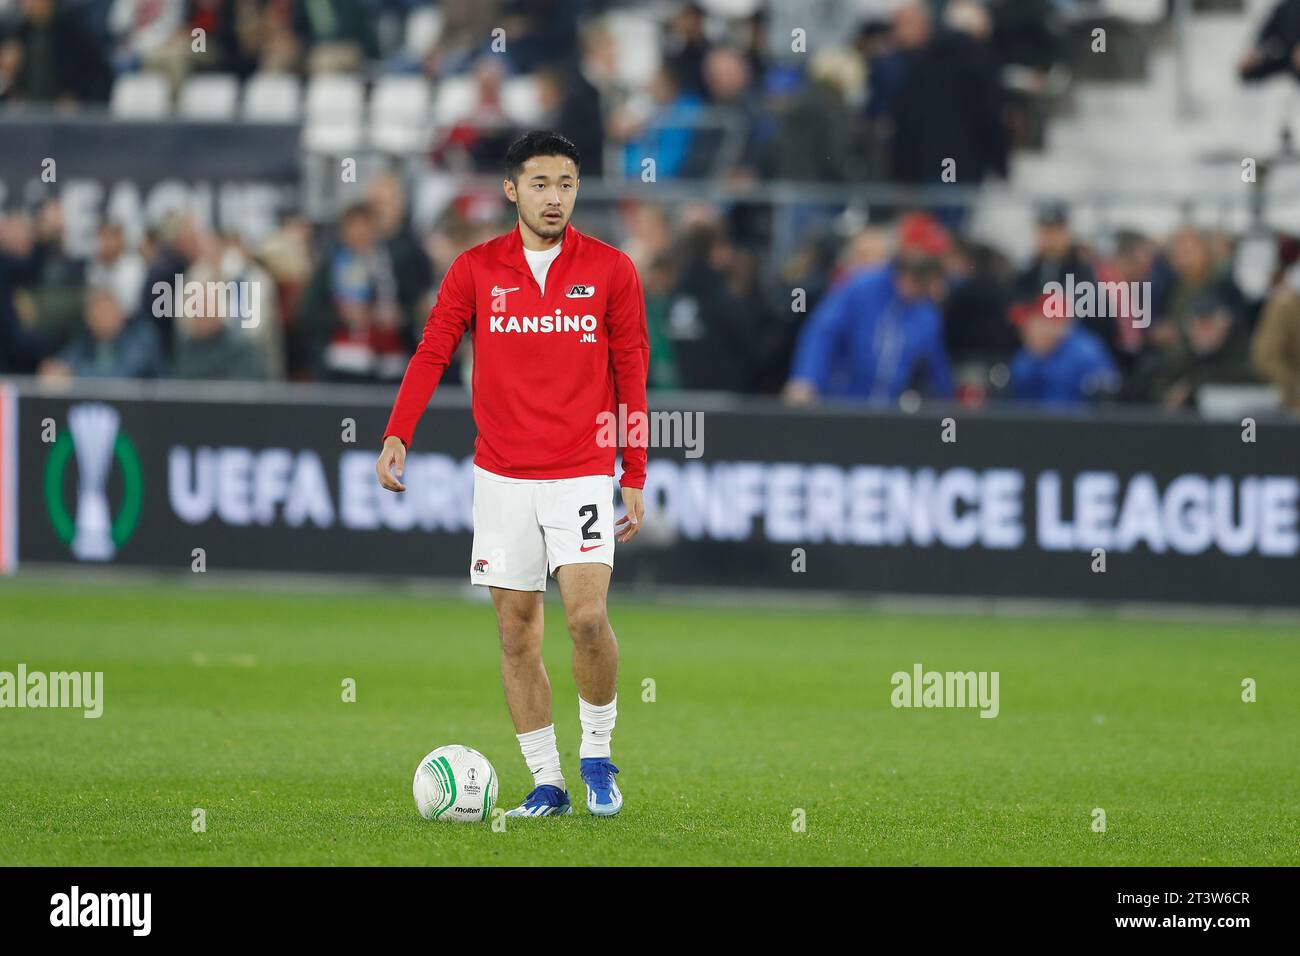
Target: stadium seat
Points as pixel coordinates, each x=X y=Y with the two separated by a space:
x=731 y=9
x=399 y=114
x=636 y=37
x=209 y=96
x=521 y=101
x=332 y=123
x=1137 y=11
x=140 y=96
x=454 y=101
x=273 y=98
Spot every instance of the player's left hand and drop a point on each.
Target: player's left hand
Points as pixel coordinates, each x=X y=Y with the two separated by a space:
x=634 y=502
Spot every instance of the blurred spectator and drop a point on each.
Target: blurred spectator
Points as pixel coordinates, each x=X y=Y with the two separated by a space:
x=21 y=345
x=1277 y=49
x=350 y=312
x=266 y=35
x=117 y=268
x=711 y=334
x=1134 y=262
x=1197 y=272
x=210 y=346
x=879 y=332
x=540 y=32
x=338 y=34
x=54 y=264
x=868 y=246
x=805 y=277
x=231 y=29
x=821 y=112
x=659 y=279
x=740 y=130
x=1057 y=256
x=480 y=141
x=11 y=62
x=1029 y=40
x=287 y=254
x=1275 y=347
x=1060 y=363
x=660 y=129
x=111 y=346
x=571 y=106
x=1212 y=346
x=149 y=34
x=948 y=106
x=648 y=232
x=753 y=36
x=974 y=312
x=601 y=67
x=234 y=264
x=888 y=47
x=407 y=261
x=54 y=58
x=684 y=47
x=466 y=32
x=53 y=281
x=1027 y=33
x=178 y=243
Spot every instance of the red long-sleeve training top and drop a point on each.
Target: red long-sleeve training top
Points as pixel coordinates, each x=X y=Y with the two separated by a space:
x=545 y=365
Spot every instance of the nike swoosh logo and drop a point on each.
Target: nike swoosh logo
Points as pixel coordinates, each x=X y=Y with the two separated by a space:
x=591 y=548
x=497 y=290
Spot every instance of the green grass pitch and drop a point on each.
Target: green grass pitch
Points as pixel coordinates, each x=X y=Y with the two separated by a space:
x=230 y=701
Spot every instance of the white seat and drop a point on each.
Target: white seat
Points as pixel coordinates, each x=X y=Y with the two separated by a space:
x=209 y=96
x=399 y=114
x=636 y=39
x=730 y=9
x=332 y=121
x=455 y=100
x=273 y=98
x=1138 y=11
x=140 y=96
x=521 y=101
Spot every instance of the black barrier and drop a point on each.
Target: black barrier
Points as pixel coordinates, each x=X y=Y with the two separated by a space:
x=1167 y=510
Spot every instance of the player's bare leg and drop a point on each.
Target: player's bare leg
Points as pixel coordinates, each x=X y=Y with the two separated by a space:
x=584 y=588
x=528 y=695
x=519 y=626
x=595 y=651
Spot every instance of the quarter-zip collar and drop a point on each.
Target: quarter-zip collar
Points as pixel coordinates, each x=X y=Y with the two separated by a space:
x=513 y=253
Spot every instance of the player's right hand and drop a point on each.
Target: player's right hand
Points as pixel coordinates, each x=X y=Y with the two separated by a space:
x=391 y=464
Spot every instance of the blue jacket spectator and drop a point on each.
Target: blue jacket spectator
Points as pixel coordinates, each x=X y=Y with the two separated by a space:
x=875 y=335
x=1071 y=368
x=666 y=135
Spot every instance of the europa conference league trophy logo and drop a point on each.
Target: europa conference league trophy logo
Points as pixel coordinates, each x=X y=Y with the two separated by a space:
x=95 y=443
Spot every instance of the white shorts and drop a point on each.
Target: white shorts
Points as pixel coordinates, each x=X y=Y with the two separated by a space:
x=525 y=528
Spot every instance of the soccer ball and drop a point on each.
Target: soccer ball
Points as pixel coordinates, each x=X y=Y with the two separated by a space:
x=455 y=783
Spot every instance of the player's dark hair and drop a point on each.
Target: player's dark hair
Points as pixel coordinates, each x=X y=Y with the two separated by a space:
x=538 y=142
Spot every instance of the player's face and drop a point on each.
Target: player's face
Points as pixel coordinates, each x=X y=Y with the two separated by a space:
x=545 y=193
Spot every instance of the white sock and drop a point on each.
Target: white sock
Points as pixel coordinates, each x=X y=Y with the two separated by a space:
x=597 y=727
x=542 y=756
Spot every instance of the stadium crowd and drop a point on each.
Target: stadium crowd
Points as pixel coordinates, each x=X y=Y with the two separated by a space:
x=846 y=308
